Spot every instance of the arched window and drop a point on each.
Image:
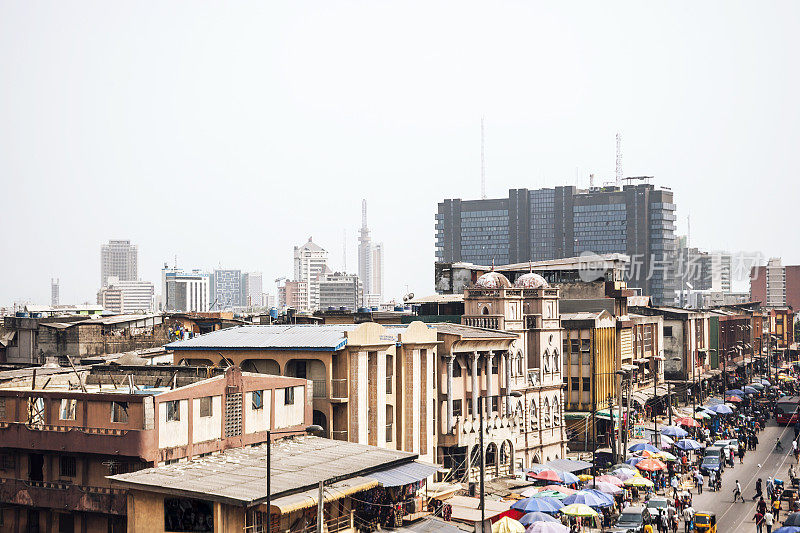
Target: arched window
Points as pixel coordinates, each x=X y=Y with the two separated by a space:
x=556 y=412
x=556 y=361
x=546 y=359
x=485 y=311
x=547 y=413
x=534 y=414
x=520 y=368
x=456 y=368
x=518 y=408
x=491 y=455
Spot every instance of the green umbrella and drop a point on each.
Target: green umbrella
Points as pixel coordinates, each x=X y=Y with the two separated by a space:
x=550 y=493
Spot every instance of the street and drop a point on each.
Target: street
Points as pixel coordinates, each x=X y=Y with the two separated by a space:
x=738 y=517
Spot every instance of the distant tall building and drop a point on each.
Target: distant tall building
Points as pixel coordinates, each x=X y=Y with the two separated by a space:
x=339 y=290
x=776 y=285
x=370 y=262
x=226 y=289
x=310 y=264
x=119 y=259
x=54 y=292
x=538 y=225
x=293 y=294
x=185 y=291
x=125 y=297
x=252 y=290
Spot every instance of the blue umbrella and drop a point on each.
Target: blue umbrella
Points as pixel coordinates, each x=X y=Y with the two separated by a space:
x=721 y=409
x=750 y=390
x=568 y=478
x=787 y=529
x=543 y=505
x=600 y=494
x=589 y=498
x=674 y=431
x=713 y=401
x=736 y=392
x=536 y=516
x=766 y=382
x=633 y=460
x=709 y=412
x=643 y=446
x=688 y=444
x=792 y=520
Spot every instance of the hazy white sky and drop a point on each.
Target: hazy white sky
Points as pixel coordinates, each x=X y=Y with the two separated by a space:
x=227 y=132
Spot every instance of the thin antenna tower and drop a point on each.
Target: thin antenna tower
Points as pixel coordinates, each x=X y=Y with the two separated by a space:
x=483 y=165
x=619 y=160
x=344 y=250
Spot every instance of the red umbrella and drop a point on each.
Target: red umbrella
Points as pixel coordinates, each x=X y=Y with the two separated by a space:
x=614 y=480
x=688 y=422
x=651 y=465
x=546 y=475
x=734 y=399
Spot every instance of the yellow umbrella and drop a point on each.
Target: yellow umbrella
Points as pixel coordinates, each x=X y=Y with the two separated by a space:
x=585 y=477
x=577 y=509
x=638 y=481
x=507 y=525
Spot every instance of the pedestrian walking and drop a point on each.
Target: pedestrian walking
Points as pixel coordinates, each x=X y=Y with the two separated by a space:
x=776 y=508
x=688 y=515
x=768 y=521
x=737 y=492
x=759 y=520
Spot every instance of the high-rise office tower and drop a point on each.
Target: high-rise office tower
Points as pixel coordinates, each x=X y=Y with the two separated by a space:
x=370 y=263
x=185 y=291
x=122 y=297
x=120 y=260
x=54 y=292
x=537 y=225
x=340 y=290
x=310 y=264
x=252 y=290
x=226 y=289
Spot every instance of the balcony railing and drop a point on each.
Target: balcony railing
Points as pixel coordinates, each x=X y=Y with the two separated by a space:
x=484 y=321
x=320 y=388
x=339 y=389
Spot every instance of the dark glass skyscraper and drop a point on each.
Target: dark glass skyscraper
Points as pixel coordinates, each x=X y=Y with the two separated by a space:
x=537 y=225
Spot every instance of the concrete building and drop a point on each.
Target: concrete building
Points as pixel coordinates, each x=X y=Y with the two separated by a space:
x=185 y=291
x=253 y=290
x=54 y=292
x=712 y=298
x=226 y=289
x=125 y=297
x=119 y=259
x=776 y=285
x=700 y=270
x=310 y=264
x=372 y=384
x=370 y=263
x=293 y=294
x=545 y=224
x=340 y=290
x=226 y=493
x=529 y=309
x=59 y=443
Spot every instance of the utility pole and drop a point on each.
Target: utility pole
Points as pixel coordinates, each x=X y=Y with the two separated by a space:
x=483 y=464
x=613 y=426
x=483 y=168
x=320 y=500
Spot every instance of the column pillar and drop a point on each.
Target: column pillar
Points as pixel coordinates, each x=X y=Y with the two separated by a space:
x=475 y=392
x=449 y=360
x=509 y=408
x=489 y=389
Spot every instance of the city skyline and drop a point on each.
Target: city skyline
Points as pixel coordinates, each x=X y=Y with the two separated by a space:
x=676 y=99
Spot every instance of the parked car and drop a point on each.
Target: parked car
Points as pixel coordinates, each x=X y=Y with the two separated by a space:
x=729 y=443
x=709 y=463
x=632 y=520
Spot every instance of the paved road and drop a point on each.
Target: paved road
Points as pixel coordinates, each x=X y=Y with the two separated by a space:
x=761 y=463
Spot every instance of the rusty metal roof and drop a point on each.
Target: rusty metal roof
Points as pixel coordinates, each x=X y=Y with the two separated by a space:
x=331 y=337
x=238 y=476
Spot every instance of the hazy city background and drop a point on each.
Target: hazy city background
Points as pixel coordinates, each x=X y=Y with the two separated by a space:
x=227 y=135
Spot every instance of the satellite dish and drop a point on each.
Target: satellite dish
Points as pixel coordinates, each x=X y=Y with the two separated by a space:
x=409 y=296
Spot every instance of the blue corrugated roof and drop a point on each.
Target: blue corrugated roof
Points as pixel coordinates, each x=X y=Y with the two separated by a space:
x=289 y=337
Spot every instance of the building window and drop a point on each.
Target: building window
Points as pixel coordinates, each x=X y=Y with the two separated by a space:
x=565 y=346
x=575 y=385
x=206 y=407
x=456 y=368
x=68 y=466
x=66 y=523
x=258 y=399
x=585 y=345
x=182 y=514
x=668 y=331
x=119 y=412
x=495 y=365
x=289 y=396
x=456 y=407
x=587 y=385
x=173 y=411
x=67 y=411
x=495 y=402
x=575 y=345
x=2 y=408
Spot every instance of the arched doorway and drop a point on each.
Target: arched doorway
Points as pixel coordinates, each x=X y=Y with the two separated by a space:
x=506 y=458
x=261 y=366
x=491 y=460
x=321 y=420
x=309 y=369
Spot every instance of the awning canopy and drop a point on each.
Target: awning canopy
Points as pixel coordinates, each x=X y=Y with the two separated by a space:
x=404 y=474
x=568 y=465
x=308 y=498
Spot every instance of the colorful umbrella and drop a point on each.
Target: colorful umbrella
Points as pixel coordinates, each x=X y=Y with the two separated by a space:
x=578 y=509
x=701 y=415
x=559 y=488
x=792 y=520
x=507 y=525
x=634 y=460
x=642 y=446
x=614 y=480
x=734 y=399
x=547 y=527
x=765 y=381
x=638 y=481
x=544 y=505
x=688 y=444
x=651 y=465
x=623 y=474
x=546 y=475
x=590 y=498
x=532 y=518
x=674 y=431
x=666 y=442
x=585 y=477
x=757 y=386
x=721 y=409
x=568 y=478
x=787 y=529
x=544 y=494
x=736 y=392
x=687 y=422
x=606 y=487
